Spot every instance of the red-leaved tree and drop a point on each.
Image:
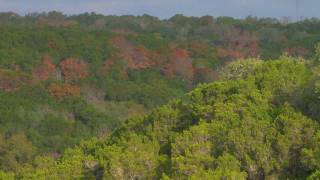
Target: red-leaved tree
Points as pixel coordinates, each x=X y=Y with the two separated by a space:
x=73 y=69
x=179 y=64
x=46 y=70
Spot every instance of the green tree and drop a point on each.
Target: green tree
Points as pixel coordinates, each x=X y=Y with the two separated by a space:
x=15 y=151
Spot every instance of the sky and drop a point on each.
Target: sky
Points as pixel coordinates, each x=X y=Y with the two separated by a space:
x=167 y=8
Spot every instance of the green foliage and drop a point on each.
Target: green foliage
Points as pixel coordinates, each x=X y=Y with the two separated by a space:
x=73 y=165
x=317 y=55
x=6 y=176
x=144 y=87
x=259 y=120
x=191 y=151
x=227 y=167
x=15 y=151
x=236 y=128
x=133 y=158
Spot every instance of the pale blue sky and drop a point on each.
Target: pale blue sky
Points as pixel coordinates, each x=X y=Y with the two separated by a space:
x=168 y=8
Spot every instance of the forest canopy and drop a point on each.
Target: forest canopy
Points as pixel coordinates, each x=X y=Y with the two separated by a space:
x=257 y=122
x=134 y=97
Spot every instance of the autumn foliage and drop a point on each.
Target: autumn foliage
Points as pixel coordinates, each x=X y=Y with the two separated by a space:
x=12 y=80
x=179 y=64
x=140 y=58
x=129 y=56
x=136 y=57
x=238 y=44
x=181 y=53
x=73 y=69
x=46 y=70
x=60 y=91
x=199 y=49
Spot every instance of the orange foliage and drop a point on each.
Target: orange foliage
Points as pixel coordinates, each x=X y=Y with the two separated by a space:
x=181 y=53
x=179 y=64
x=140 y=58
x=60 y=91
x=45 y=71
x=73 y=69
x=135 y=57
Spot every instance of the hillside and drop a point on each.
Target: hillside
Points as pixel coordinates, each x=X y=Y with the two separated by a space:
x=259 y=121
x=69 y=84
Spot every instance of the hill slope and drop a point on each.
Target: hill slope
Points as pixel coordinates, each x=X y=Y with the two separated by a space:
x=258 y=121
x=64 y=78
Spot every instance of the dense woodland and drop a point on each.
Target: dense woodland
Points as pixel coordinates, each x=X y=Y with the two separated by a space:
x=135 y=97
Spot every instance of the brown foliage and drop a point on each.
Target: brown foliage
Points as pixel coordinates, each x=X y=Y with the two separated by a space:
x=134 y=57
x=114 y=62
x=181 y=53
x=73 y=69
x=238 y=44
x=198 y=49
x=60 y=91
x=140 y=58
x=45 y=71
x=179 y=64
x=12 y=80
